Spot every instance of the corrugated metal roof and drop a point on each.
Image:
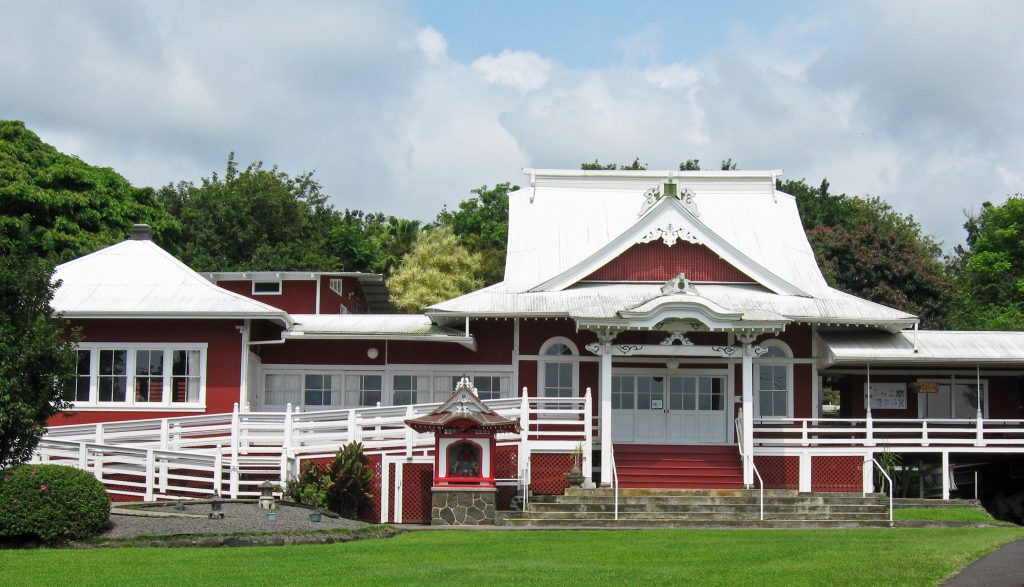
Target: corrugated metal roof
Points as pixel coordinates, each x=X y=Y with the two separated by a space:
x=136 y=278
x=367 y=325
x=933 y=346
x=607 y=300
x=565 y=218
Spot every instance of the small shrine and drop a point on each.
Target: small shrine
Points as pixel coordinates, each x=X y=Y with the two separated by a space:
x=464 y=430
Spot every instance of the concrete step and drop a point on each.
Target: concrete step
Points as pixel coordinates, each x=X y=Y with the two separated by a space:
x=655 y=492
x=905 y=502
x=813 y=510
x=816 y=500
x=653 y=523
x=695 y=517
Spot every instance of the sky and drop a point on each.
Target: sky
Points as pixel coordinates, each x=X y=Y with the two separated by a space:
x=403 y=107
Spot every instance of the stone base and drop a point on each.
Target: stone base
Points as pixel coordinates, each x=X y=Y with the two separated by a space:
x=467 y=506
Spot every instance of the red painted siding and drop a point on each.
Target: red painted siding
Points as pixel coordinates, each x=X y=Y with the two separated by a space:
x=223 y=360
x=331 y=303
x=296 y=297
x=656 y=261
x=1003 y=395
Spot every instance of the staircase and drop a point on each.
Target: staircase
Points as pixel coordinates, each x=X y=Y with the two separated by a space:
x=679 y=466
x=702 y=508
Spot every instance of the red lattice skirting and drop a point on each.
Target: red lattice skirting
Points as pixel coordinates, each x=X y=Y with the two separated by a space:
x=837 y=473
x=779 y=472
x=547 y=473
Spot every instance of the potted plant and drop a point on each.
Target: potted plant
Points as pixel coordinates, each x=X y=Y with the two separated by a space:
x=575 y=474
x=315 y=494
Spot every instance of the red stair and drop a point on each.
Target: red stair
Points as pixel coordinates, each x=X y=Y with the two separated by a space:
x=679 y=466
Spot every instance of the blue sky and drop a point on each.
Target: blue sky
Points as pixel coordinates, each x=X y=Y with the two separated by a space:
x=404 y=106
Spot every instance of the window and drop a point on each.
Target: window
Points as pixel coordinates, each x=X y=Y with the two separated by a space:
x=954 y=400
x=185 y=376
x=405 y=389
x=682 y=393
x=650 y=393
x=710 y=394
x=142 y=375
x=489 y=386
x=773 y=379
x=363 y=390
x=266 y=288
x=281 y=390
x=557 y=370
x=149 y=376
x=335 y=283
x=322 y=390
x=113 y=379
x=622 y=392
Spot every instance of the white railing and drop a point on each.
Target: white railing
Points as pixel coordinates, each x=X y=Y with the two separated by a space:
x=253 y=446
x=888 y=432
x=887 y=478
x=743 y=456
x=614 y=479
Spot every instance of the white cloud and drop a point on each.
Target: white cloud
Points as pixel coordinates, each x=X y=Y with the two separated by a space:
x=916 y=103
x=523 y=70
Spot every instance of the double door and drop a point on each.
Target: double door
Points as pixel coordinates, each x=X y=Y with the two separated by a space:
x=670 y=409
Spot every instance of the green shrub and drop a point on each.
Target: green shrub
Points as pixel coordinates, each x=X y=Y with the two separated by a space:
x=345 y=483
x=52 y=503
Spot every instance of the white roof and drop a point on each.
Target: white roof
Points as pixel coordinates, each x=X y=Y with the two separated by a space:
x=933 y=347
x=570 y=223
x=138 y=279
x=374 y=326
x=566 y=217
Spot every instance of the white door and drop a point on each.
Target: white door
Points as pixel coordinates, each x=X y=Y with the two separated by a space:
x=682 y=409
x=650 y=420
x=712 y=420
x=623 y=408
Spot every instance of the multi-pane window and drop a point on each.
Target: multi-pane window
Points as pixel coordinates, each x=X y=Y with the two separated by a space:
x=282 y=390
x=953 y=400
x=489 y=386
x=78 y=388
x=405 y=389
x=149 y=376
x=622 y=392
x=144 y=375
x=113 y=376
x=363 y=390
x=682 y=393
x=774 y=384
x=650 y=393
x=322 y=390
x=185 y=376
x=710 y=394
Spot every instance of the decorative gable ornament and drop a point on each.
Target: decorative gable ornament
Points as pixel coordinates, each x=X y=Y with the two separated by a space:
x=678 y=285
x=669 y=234
x=685 y=196
x=677 y=337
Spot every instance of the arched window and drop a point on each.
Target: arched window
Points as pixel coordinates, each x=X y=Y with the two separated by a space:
x=773 y=381
x=557 y=371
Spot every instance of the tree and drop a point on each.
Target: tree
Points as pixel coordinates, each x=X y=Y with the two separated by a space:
x=481 y=223
x=728 y=165
x=253 y=219
x=990 y=269
x=636 y=165
x=597 y=166
x=690 y=165
x=438 y=268
x=867 y=249
x=74 y=208
x=36 y=358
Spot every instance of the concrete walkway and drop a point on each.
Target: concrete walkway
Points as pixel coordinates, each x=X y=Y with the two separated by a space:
x=1002 y=567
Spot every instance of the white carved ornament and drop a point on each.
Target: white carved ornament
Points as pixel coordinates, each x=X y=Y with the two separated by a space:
x=669 y=234
x=677 y=337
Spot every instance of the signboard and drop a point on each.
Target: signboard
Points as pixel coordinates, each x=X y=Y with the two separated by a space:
x=887 y=396
x=925 y=386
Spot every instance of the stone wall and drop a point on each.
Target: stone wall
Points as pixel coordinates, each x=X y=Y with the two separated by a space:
x=462 y=507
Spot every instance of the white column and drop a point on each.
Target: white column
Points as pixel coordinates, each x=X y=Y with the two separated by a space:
x=748 y=413
x=945 y=476
x=588 y=440
x=243 y=377
x=605 y=387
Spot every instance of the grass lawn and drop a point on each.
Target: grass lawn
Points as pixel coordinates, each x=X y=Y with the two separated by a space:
x=945 y=515
x=643 y=557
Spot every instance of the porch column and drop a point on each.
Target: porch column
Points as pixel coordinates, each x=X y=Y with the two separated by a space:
x=606 y=411
x=748 y=411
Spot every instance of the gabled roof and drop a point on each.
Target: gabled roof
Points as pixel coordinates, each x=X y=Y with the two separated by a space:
x=567 y=217
x=138 y=279
x=668 y=219
x=463 y=410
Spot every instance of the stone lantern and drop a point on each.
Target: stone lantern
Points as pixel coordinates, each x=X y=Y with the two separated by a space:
x=464 y=428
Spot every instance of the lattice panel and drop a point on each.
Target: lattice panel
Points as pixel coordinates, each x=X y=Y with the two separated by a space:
x=416 y=482
x=657 y=262
x=503 y=499
x=547 y=473
x=372 y=513
x=506 y=464
x=779 y=472
x=837 y=473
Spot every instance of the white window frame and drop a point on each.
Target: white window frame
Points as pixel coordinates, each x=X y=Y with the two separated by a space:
x=544 y=360
x=280 y=287
x=129 y=404
x=787 y=362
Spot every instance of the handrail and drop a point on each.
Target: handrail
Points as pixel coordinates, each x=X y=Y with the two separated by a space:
x=891 y=487
x=738 y=426
x=614 y=479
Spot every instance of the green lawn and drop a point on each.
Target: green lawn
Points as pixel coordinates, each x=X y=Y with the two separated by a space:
x=649 y=557
x=945 y=515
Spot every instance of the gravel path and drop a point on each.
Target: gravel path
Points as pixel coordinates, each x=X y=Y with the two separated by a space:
x=238 y=517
